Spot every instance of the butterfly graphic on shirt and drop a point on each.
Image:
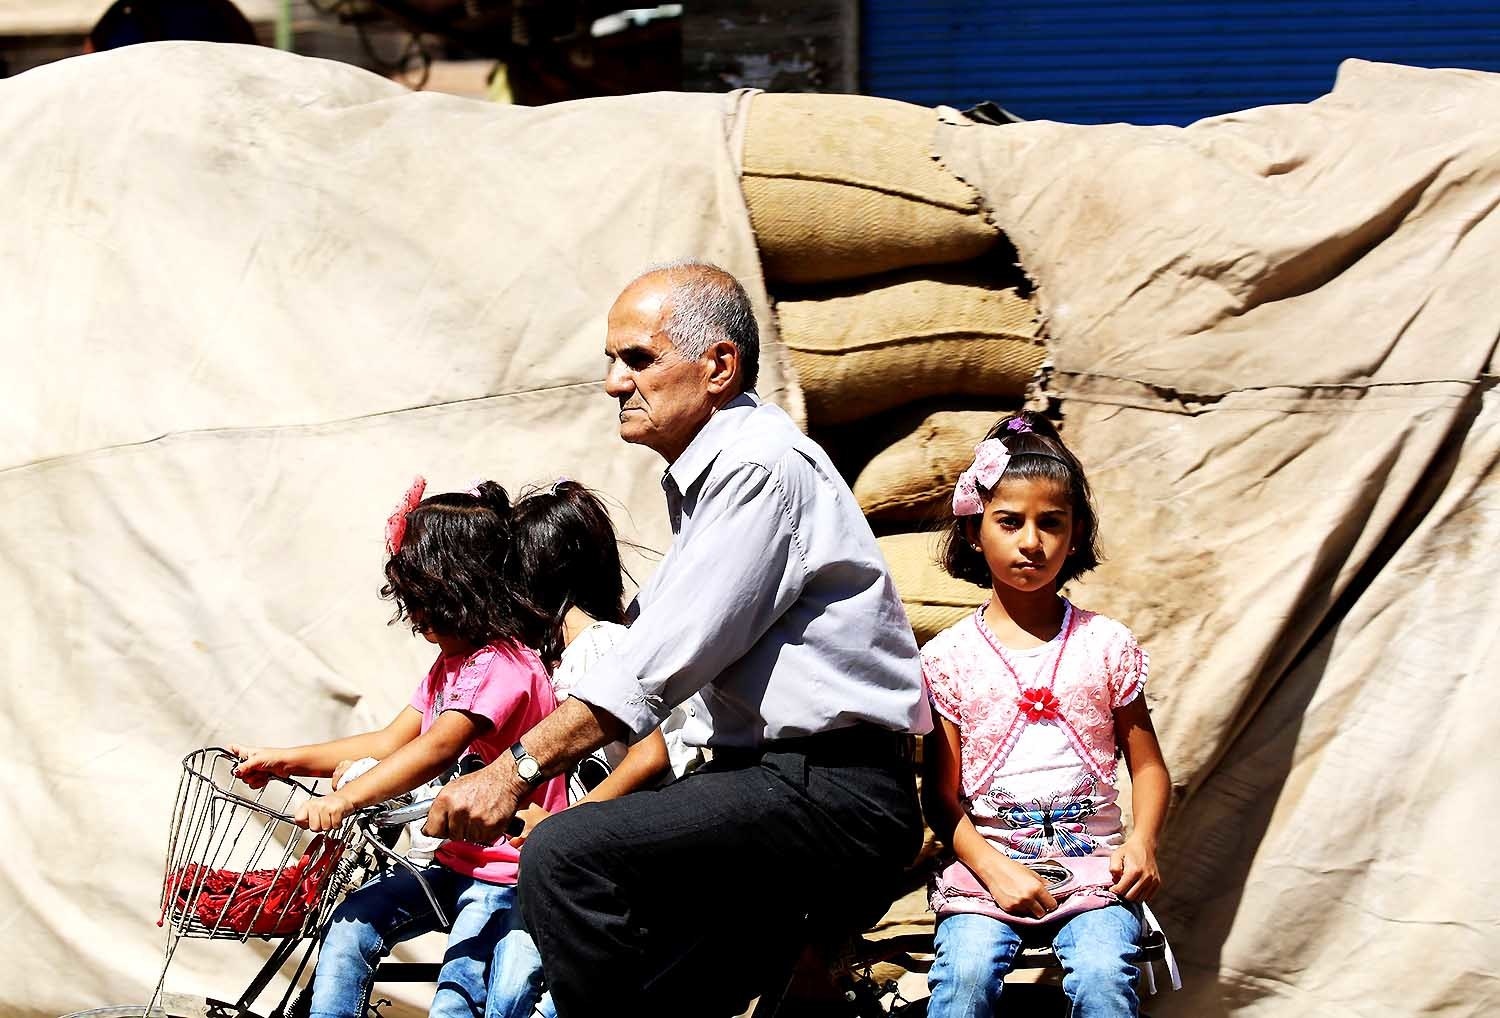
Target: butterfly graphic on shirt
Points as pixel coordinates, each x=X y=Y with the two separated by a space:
x=1050 y=825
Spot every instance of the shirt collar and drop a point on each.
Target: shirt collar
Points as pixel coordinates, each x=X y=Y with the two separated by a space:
x=709 y=442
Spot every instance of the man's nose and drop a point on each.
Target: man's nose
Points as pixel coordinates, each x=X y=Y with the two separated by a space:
x=617 y=380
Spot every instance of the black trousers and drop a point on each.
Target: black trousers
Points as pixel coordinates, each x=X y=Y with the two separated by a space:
x=693 y=898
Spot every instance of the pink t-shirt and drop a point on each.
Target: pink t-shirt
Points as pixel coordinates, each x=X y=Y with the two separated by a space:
x=506 y=684
x=1038 y=782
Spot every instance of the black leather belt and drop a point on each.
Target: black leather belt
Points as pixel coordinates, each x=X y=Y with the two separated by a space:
x=859 y=745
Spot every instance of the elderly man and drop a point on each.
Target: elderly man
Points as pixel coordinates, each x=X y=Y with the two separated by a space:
x=774 y=619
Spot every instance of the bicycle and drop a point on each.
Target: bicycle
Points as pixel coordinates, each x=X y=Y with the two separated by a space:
x=238 y=868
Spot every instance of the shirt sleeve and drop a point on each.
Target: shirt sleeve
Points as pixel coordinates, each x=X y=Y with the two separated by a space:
x=422 y=698
x=491 y=684
x=941 y=689
x=711 y=601
x=1128 y=676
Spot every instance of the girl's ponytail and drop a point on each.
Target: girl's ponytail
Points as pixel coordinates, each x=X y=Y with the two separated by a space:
x=566 y=555
x=493 y=497
x=1036 y=423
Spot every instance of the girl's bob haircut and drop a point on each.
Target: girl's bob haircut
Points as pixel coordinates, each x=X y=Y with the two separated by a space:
x=451 y=575
x=1057 y=464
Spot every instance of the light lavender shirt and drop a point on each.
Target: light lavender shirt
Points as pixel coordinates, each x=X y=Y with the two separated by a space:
x=773 y=614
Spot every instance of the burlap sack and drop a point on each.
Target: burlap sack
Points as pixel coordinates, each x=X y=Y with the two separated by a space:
x=933 y=599
x=840 y=186
x=858 y=352
x=912 y=477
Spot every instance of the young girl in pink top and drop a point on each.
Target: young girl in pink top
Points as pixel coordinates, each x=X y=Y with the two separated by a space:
x=448 y=574
x=1034 y=699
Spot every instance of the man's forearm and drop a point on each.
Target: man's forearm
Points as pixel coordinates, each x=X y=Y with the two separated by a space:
x=569 y=734
x=479 y=806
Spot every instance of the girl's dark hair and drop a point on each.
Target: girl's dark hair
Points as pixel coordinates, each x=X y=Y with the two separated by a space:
x=958 y=556
x=566 y=555
x=451 y=574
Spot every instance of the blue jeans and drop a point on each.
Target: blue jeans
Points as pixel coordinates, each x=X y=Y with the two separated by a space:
x=1098 y=950
x=491 y=968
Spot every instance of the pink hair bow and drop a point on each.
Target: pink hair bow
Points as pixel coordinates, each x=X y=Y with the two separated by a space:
x=990 y=460
x=395 y=526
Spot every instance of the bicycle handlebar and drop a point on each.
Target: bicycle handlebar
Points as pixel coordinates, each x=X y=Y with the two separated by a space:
x=400 y=816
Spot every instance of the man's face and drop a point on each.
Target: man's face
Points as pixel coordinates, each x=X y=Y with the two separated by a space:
x=664 y=398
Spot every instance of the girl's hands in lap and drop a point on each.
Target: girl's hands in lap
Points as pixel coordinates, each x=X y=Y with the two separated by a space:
x=1133 y=865
x=1017 y=889
x=257 y=765
x=529 y=817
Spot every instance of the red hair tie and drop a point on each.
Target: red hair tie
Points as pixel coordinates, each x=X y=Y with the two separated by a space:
x=395 y=526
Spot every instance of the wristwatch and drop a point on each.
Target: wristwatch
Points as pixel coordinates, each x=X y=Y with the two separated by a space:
x=527 y=769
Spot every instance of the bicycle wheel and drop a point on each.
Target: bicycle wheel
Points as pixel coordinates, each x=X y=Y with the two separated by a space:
x=173 y=1005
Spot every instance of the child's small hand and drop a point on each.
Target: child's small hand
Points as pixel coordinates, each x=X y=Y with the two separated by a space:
x=339 y=771
x=529 y=817
x=1017 y=889
x=257 y=766
x=1133 y=866
x=323 y=812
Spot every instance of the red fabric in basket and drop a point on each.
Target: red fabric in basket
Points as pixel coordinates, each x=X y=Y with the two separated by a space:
x=253 y=902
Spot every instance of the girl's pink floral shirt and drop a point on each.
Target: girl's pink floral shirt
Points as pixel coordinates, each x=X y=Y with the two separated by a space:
x=507 y=685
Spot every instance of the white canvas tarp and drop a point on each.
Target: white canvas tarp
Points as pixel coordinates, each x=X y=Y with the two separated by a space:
x=244 y=298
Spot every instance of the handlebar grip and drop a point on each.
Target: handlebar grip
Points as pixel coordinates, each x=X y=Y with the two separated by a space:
x=403 y=815
x=400 y=816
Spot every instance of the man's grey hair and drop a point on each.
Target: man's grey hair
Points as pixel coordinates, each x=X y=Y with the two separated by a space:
x=707 y=305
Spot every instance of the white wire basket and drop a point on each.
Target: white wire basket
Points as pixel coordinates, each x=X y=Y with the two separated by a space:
x=237 y=867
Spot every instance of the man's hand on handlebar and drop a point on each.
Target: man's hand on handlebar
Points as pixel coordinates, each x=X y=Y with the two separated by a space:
x=477 y=807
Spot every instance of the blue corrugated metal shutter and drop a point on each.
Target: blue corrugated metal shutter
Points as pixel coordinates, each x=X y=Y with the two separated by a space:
x=1087 y=61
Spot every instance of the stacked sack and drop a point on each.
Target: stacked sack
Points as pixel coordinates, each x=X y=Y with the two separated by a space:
x=907 y=321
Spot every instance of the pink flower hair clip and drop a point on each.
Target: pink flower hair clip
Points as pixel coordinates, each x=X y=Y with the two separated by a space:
x=990 y=460
x=395 y=526
x=1019 y=425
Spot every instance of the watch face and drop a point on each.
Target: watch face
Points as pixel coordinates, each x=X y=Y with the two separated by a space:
x=528 y=769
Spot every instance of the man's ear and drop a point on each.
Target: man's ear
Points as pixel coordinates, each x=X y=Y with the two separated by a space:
x=724 y=372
